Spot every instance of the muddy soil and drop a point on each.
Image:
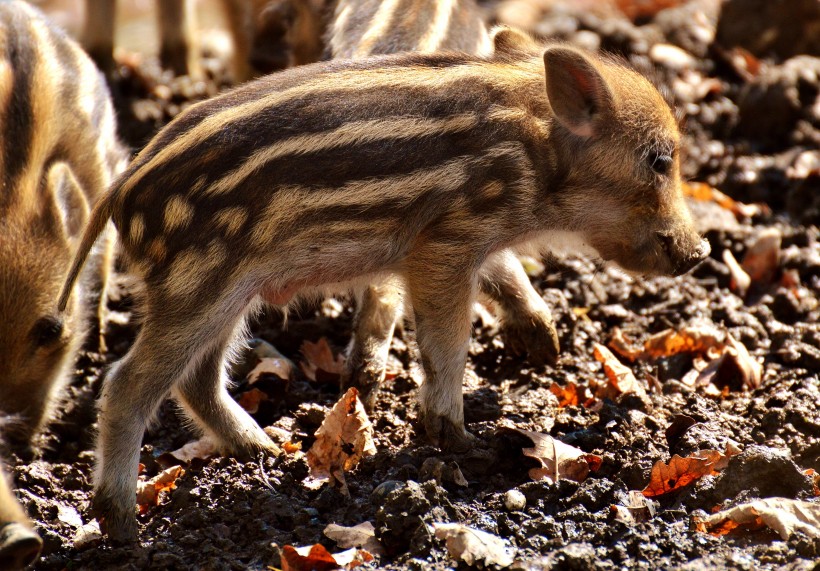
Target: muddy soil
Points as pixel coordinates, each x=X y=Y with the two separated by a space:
x=750 y=127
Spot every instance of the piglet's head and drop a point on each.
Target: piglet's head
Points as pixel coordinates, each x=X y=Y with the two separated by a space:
x=38 y=230
x=622 y=189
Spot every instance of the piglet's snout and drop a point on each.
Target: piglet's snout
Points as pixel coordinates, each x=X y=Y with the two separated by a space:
x=683 y=257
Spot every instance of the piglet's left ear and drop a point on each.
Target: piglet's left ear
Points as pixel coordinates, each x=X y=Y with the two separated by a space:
x=577 y=92
x=512 y=41
x=65 y=200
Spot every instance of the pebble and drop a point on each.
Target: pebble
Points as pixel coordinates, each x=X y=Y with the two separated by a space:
x=514 y=501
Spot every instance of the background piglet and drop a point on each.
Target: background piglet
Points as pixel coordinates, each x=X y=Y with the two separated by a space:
x=59 y=153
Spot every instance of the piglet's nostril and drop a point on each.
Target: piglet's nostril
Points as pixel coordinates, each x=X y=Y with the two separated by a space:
x=667 y=243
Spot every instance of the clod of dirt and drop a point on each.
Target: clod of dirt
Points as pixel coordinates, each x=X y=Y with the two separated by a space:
x=762 y=472
x=572 y=557
x=400 y=522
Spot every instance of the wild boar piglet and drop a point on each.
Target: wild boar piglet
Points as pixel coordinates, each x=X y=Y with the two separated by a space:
x=58 y=154
x=421 y=167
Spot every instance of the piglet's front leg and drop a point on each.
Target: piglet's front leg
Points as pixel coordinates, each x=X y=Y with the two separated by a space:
x=442 y=289
x=526 y=319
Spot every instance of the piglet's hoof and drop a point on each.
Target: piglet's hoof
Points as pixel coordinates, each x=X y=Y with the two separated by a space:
x=366 y=379
x=448 y=435
x=19 y=546
x=254 y=445
x=534 y=335
x=119 y=526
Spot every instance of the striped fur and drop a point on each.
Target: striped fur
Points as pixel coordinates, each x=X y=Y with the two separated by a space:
x=362 y=28
x=298 y=32
x=420 y=169
x=58 y=153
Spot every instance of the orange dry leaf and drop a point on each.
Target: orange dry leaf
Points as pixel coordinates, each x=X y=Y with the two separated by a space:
x=317 y=558
x=704 y=192
x=292 y=447
x=249 y=400
x=693 y=339
x=344 y=437
x=320 y=364
x=644 y=9
x=621 y=381
x=624 y=346
x=567 y=396
x=558 y=460
x=681 y=472
x=148 y=492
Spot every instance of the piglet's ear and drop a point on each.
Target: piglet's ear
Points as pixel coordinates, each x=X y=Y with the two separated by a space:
x=66 y=200
x=577 y=92
x=512 y=41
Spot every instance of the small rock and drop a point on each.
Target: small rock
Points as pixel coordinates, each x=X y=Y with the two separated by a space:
x=514 y=500
x=380 y=492
x=672 y=57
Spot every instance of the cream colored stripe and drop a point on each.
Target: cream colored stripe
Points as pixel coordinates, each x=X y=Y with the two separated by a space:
x=46 y=85
x=431 y=41
x=339 y=28
x=353 y=80
x=292 y=202
x=356 y=133
x=378 y=26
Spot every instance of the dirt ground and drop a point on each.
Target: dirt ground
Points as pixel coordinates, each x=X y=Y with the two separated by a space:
x=750 y=122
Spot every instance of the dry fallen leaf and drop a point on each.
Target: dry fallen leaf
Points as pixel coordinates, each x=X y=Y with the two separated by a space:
x=762 y=260
x=344 y=437
x=733 y=369
x=624 y=346
x=362 y=535
x=201 y=449
x=148 y=491
x=783 y=515
x=320 y=364
x=695 y=339
x=249 y=400
x=702 y=191
x=567 y=396
x=644 y=9
x=680 y=472
x=317 y=558
x=279 y=366
x=739 y=280
x=620 y=379
x=638 y=509
x=473 y=546
x=558 y=460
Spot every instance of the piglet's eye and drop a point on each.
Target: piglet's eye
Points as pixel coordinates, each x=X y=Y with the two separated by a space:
x=660 y=163
x=47 y=331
